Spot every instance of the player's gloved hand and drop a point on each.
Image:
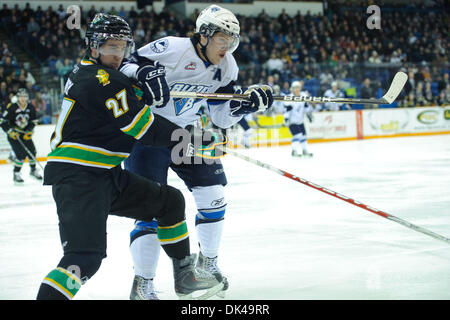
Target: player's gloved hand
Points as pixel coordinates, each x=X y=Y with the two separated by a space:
x=261 y=99
x=13 y=134
x=27 y=135
x=154 y=84
x=310 y=116
x=204 y=143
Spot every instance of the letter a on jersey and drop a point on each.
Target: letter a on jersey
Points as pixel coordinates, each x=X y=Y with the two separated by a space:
x=218 y=75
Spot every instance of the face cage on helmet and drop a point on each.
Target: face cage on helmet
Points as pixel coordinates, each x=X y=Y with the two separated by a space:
x=209 y=30
x=99 y=39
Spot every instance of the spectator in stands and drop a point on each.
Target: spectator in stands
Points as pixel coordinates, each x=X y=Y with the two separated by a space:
x=443 y=100
x=2 y=74
x=8 y=66
x=274 y=64
x=63 y=68
x=419 y=94
x=443 y=82
x=40 y=106
x=5 y=50
x=33 y=26
x=428 y=94
x=367 y=92
x=409 y=101
x=4 y=94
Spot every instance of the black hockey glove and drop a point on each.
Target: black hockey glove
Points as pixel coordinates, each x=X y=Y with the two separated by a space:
x=154 y=84
x=261 y=99
x=204 y=143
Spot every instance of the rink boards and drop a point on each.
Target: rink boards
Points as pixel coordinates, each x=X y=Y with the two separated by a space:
x=354 y=124
x=326 y=126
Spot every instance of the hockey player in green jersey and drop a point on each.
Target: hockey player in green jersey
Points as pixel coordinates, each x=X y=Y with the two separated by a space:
x=100 y=119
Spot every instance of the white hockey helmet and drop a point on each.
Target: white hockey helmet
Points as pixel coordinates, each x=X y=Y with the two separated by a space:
x=217 y=19
x=296 y=84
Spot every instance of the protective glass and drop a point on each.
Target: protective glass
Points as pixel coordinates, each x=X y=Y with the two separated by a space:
x=225 y=42
x=114 y=50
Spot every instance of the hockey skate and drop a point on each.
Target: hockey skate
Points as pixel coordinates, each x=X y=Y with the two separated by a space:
x=192 y=283
x=35 y=174
x=307 y=154
x=297 y=154
x=210 y=265
x=143 y=289
x=18 y=181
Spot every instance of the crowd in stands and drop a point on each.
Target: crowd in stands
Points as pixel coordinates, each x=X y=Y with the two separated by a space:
x=13 y=76
x=320 y=49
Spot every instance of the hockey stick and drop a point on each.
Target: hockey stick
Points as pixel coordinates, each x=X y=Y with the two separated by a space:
x=396 y=87
x=336 y=195
x=29 y=153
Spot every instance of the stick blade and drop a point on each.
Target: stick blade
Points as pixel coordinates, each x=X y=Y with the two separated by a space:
x=396 y=87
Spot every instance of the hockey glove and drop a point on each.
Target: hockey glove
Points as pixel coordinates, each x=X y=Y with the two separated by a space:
x=154 y=84
x=261 y=99
x=27 y=135
x=13 y=134
x=310 y=116
x=204 y=143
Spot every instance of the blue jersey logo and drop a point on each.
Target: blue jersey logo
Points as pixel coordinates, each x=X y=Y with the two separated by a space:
x=184 y=104
x=159 y=46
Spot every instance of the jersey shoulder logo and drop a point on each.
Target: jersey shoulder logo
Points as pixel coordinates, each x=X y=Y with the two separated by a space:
x=191 y=66
x=159 y=46
x=103 y=77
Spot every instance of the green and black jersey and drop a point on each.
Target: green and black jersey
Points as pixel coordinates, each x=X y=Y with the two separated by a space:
x=102 y=115
x=23 y=120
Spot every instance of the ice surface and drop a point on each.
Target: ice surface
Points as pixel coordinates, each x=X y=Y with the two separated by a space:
x=282 y=240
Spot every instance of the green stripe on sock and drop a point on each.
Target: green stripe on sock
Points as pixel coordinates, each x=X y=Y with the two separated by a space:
x=171 y=234
x=63 y=281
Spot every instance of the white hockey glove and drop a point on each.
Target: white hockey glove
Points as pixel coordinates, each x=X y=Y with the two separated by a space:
x=261 y=99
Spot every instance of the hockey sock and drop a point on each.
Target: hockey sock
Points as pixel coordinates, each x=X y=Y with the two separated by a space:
x=304 y=146
x=209 y=220
x=18 y=165
x=59 y=284
x=72 y=271
x=296 y=146
x=209 y=233
x=174 y=240
x=145 y=248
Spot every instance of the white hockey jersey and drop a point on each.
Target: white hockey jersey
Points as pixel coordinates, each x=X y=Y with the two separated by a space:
x=185 y=71
x=297 y=114
x=332 y=106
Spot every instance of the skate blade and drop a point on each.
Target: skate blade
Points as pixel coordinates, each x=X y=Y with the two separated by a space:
x=202 y=294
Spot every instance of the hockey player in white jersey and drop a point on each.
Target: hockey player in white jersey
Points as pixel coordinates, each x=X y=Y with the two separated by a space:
x=203 y=63
x=333 y=92
x=294 y=118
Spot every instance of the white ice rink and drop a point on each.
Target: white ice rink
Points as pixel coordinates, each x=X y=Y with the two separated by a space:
x=282 y=240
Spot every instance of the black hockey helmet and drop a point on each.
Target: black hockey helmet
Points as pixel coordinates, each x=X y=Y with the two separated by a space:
x=22 y=92
x=105 y=26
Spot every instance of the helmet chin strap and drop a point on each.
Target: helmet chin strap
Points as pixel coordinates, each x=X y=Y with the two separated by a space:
x=203 y=48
